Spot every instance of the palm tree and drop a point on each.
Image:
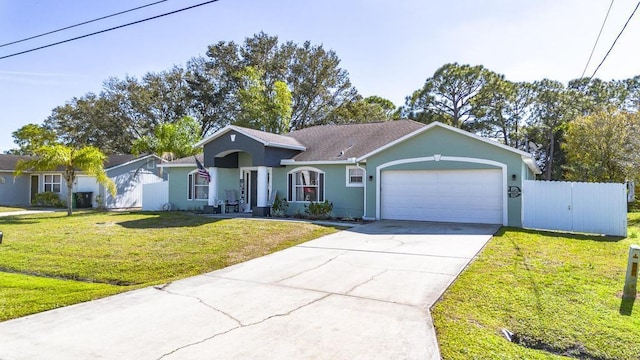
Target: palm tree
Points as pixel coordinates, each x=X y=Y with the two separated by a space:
x=87 y=159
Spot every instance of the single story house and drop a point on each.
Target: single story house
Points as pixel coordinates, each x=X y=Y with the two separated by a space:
x=389 y=170
x=129 y=173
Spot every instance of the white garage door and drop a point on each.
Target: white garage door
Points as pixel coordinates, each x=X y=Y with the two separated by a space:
x=471 y=196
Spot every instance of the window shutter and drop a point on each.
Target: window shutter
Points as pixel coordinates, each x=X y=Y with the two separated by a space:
x=190 y=197
x=320 y=187
x=290 y=186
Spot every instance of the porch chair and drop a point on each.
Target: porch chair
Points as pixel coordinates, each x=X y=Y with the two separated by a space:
x=231 y=201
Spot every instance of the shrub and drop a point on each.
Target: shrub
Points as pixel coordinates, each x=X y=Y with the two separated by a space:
x=280 y=206
x=319 y=210
x=48 y=199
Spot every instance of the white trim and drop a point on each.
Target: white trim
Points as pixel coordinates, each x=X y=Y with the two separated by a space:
x=348 y=182
x=44 y=183
x=316 y=162
x=238 y=129
x=194 y=187
x=246 y=190
x=134 y=160
x=505 y=210
x=302 y=168
x=176 y=165
x=525 y=156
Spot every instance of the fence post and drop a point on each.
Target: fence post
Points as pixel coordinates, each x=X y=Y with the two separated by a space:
x=631 y=279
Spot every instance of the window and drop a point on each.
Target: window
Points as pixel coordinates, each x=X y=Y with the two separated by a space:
x=151 y=164
x=198 y=187
x=306 y=185
x=52 y=183
x=355 y=176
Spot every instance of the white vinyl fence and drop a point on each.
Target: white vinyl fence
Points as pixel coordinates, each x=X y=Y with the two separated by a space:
x=155 y=195
x=596 y=208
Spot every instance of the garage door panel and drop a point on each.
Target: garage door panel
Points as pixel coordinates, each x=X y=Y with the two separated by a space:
x=446 y=195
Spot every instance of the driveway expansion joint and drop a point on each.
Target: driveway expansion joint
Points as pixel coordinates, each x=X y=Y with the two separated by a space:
x=387 y=252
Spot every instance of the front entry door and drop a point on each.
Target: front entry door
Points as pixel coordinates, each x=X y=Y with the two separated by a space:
x=250 y=179
x=35 y=179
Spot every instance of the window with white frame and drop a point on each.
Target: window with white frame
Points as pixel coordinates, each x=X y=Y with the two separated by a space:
x=306 y=184
x=355 y=176
x=52 y=183
x=198 y=187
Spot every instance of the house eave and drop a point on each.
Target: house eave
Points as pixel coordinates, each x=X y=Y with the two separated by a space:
x=228 y=128
x=168 y=165
x=318 y=162
x=133 y=161
x=284 y=146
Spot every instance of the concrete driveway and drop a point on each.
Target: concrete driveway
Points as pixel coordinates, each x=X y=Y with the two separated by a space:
x=362 y=293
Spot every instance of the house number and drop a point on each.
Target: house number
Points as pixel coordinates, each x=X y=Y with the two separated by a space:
x=514 y=191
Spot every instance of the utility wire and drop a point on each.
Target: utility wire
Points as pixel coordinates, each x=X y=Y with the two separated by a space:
x=614 y=41
x=80 y=24
x=597 y=38
x=106 y=30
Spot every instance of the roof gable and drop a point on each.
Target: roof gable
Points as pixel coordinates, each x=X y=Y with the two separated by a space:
x=266 y=138
x=526 y=157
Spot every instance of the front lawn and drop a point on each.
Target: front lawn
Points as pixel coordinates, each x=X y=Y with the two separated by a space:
x=9 y=209
x=555 y=292
x=92 y=254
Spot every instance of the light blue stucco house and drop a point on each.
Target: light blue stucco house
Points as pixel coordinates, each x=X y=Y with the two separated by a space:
x=400 y=169
x=129 y=172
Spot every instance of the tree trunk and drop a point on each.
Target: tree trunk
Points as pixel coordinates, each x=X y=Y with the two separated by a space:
x=69 y=198
x=549 y=167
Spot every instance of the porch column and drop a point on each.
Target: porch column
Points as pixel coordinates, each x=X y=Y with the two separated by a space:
x=263 y=187
x=213 y=186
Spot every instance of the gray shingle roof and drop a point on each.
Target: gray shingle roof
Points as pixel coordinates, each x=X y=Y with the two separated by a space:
x=271 y=138
x=341 y=142
x=8 y=162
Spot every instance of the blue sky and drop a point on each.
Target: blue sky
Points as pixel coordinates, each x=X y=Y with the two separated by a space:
x=388 y=47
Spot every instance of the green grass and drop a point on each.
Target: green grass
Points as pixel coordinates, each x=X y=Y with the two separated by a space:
x=9 y=208
x=557 y=291
x=96 y=254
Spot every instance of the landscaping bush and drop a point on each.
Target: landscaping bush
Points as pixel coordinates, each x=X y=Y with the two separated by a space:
x=48 y=199
x=280 y=207
x=319 y=210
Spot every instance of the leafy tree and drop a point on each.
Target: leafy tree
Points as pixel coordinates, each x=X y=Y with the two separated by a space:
x=317 y=84
x=87 y=159
x=592 y=95
x=449 y=96
x=30 y=137
x=388 y=107
x=603 y=147
x=358 y=111
x=264 y=108
x=553 y=108
x=211 y=96
x=503 y=110
x=91 y=120
x=170 y=140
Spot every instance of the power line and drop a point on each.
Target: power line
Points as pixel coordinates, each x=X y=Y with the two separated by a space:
x=597 y=38
x=106 y=30
x=614 y=41
x=80 y=24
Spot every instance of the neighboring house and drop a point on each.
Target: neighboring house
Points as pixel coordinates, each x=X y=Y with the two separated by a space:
x=390 y=170
x=129 y=173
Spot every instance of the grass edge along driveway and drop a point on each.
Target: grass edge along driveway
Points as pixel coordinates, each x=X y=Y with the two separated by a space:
x=559 y=294
x=51 y=260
